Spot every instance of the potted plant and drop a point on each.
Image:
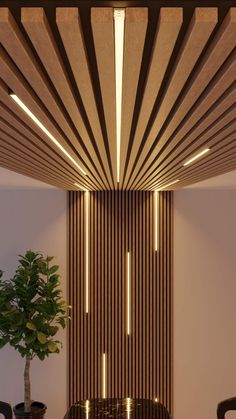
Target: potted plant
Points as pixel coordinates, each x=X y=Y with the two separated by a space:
x=31 y=312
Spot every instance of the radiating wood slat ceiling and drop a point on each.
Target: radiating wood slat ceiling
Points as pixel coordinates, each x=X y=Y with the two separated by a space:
x=178 y=95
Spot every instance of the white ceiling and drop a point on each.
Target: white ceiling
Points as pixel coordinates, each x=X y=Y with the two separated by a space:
x=225 y=181
x=12 y=180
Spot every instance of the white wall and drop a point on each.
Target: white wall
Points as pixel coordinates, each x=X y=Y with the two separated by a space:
x=204 y=302
x=37 y=220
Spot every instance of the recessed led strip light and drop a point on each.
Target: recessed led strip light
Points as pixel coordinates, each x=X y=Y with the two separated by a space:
x=196 y=157
x=128 y=407
x=44 y=129
x=169 y=184
x=87 y=251
x=119 y=21
x=104 y=375
x=87 y=408
x=156 y=210
x=128 y=293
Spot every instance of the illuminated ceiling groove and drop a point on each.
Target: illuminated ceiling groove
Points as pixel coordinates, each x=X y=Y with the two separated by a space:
x=178 y=98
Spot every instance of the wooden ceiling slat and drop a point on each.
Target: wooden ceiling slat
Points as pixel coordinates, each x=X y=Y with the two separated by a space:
x=39 y=147
x=33 y=161
x=136 y=20
x=210 y=97
x=215 y=166
x=15 y=44
x=44 y=146
x=204 y=130
x=201 y=26
x=37 y=27
x=210 y=174
x=69 y=26
x=179 y=159
x=202 y=166
x=31 y=170
x=219 y=167
x=8 y=134
x=178 y=171
x=103 y=34
x=168 y=27
x=185 y=102
x=22 y=149
x=23 y=171
x=13 y=78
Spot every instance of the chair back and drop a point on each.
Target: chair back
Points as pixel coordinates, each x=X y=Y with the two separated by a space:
x=5 y=410
x=226 y=406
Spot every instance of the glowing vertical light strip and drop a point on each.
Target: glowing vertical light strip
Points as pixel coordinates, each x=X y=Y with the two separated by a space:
x=104 y=375
x=156 y=219
x=128 y=407
x=128 y=293
x=87 y=408
x=86 y=251
x=119 y=20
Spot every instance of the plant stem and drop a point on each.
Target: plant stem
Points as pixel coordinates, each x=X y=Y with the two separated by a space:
x=27 y=400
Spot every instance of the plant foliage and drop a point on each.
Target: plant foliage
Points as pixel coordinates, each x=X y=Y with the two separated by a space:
x=31 y=307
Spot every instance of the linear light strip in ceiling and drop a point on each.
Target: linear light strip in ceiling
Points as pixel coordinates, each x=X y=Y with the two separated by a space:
x=169 y=184
x=119 y=21
x=44 y=129
x=196 y=157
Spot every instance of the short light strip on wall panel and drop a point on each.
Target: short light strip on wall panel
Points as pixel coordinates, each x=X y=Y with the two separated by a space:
x=44 y=129
x=196 y=157
x=86 y=251
x=169 y=184
x=119 y=21
x=156 y=218
x=128 y=293
x=128 y=407
x=104 y=376
x=87 y=408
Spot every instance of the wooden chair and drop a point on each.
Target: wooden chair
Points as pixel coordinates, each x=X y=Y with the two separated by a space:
x=225 y=406
x=5 y=410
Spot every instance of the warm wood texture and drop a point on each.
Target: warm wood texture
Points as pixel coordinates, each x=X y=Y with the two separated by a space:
x=138 y=364
x=60 y=62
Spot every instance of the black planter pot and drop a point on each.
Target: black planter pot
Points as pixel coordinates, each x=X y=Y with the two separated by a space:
x=38 y=410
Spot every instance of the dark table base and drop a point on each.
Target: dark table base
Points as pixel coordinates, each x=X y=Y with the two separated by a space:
x=117 y=408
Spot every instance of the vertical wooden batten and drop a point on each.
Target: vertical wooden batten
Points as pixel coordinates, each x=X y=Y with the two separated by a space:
x=138 y=364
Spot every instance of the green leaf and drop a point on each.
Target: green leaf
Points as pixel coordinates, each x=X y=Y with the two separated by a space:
x=52 y=346
x=53 y=269
x=41 y=337
x=30 y=339
x=30 y=326
x=41 y=356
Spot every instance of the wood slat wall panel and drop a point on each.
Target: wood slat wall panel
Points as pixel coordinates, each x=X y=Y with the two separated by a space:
x=138 y=364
